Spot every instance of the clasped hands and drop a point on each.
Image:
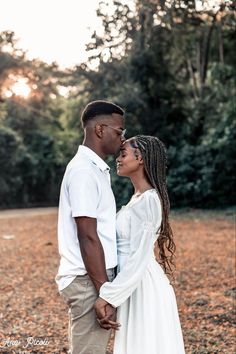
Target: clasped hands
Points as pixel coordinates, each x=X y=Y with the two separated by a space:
x=106 y=315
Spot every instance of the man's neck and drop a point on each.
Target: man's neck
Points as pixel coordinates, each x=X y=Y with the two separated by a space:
x=95 y=148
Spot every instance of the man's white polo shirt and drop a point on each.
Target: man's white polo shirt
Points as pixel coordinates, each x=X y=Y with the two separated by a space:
x=85 y=191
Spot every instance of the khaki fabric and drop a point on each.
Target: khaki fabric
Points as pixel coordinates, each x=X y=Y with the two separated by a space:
x=85 y=334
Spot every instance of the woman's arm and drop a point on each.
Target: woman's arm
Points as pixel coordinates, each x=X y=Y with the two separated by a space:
x=145 y=220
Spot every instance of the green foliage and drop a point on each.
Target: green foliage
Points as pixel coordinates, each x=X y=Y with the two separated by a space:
x=13 y=157
x=173 y=70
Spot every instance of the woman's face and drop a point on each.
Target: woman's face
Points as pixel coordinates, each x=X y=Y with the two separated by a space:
x=129 y=160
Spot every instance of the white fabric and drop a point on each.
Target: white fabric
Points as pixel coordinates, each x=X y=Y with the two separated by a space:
x=147 y=308
x=85 y=191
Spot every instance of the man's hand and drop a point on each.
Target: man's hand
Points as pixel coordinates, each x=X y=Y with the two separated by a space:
x=106 y=315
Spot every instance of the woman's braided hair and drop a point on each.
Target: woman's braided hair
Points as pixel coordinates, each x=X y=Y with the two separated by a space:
x=155 y=160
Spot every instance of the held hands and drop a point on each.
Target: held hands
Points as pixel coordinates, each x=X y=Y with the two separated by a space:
x=106 y=314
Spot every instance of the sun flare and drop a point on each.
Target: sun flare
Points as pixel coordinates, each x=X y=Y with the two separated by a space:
x=19 y=88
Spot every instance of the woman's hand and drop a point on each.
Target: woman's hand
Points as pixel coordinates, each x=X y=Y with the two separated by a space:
x=106 y=314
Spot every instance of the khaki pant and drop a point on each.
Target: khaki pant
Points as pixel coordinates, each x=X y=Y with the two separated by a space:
x=85 y=334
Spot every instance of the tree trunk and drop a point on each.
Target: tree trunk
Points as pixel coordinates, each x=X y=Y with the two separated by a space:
x=206 y=49
x=193 y=77
x=221 y=45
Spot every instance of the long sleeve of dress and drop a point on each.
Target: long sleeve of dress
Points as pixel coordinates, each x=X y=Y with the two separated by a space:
x=145 y=219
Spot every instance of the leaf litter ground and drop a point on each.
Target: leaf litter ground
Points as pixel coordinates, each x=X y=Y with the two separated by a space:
x=34 y=317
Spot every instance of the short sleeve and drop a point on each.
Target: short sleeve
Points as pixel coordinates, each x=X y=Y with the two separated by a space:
x=145 y=220
x=83 y=191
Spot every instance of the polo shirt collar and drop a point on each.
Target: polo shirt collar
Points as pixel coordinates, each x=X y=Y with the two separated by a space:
x=94 y=158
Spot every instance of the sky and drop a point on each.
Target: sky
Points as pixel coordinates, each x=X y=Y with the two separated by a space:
x=53 y=30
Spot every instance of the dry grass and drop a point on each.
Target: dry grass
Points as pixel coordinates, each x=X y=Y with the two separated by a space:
x=31 y=307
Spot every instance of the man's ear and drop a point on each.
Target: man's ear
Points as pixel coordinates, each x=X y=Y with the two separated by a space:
x=98 y=130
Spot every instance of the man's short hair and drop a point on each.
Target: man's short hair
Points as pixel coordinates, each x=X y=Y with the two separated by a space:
x=98 y=108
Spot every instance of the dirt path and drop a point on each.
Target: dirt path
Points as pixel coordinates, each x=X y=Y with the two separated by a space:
x=14 y=213
x=33 y=317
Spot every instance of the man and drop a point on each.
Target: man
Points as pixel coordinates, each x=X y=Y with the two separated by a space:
x=86 y=227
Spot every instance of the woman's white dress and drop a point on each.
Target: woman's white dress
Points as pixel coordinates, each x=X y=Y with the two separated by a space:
x=147 y=309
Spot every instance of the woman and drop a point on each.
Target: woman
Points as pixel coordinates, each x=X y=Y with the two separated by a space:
x=147 y=310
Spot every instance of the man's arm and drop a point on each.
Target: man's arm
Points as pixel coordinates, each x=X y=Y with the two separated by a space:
x=94 y=261
x=91 y=250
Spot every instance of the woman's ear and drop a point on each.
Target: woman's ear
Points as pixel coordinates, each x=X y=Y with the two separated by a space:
x=140 y=160
x=138 y=157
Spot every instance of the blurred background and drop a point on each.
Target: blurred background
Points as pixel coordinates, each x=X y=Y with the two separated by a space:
x=171 y=66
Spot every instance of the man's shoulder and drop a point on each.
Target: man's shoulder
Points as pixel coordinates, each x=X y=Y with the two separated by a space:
x=79 y=162
x=80 y=167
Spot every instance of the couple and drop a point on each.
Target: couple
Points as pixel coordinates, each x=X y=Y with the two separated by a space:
x=93 y=240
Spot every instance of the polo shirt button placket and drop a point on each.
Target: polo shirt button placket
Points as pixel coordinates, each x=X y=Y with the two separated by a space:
x=107 y=172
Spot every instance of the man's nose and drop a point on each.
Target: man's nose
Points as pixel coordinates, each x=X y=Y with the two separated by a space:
x=122 y=139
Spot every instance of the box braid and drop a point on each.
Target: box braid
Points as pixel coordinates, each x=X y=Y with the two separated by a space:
x=154 y=158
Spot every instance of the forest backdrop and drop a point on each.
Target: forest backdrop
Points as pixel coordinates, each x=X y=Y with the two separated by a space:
x=171 y=67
